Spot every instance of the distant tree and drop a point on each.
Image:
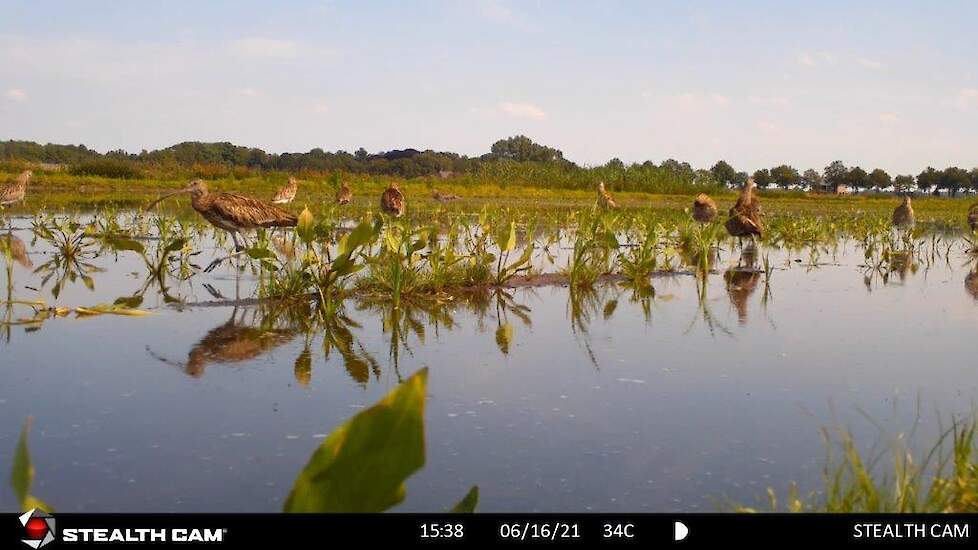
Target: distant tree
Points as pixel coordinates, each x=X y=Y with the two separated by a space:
x=523 y=149
x=723 y=173
x=836 y=174
x=927 y=179
x=811 y=179
x=615 y=164
x=879 y=178
x=973 y=177
x=361 y=154
x=785 y=176
x=762 y=178
x=741 y=178
x=858 y=178
x=903 y=183
x=954 y=179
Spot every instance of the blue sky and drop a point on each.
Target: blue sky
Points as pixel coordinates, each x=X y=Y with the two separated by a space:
x=890 y=84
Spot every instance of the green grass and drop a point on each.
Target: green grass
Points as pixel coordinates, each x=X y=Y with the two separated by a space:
x=942 y=480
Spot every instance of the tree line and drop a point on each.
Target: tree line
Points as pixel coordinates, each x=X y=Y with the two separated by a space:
x=514 y=160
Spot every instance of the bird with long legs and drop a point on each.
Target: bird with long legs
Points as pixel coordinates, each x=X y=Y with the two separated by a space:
x=286 y=193
x=15 y=192
x=232 y=213
x=392 y=201
x=903 y=216
x=745 y=215
x=605 y=201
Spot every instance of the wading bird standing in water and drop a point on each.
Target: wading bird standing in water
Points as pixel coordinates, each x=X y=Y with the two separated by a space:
x=344 y=195
x=704 y=209
x=604 y=198
x=903 y=215
x=745 y=216
x=286 y=194
x=392 y=201
x=973 y=217
x=232 y=213
x=13 y=193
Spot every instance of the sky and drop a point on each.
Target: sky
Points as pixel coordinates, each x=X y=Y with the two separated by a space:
x=889 y=84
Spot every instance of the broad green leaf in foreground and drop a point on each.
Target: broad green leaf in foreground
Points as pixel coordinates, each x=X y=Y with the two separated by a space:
x=362 y=464
x=22 y=473
x=468 y=503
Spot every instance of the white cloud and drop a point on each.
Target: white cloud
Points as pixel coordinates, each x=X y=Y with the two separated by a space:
x=968 y=98
x=320 y=108
x=888 y=118
x=266 y=48
x=806 y=59
x=774 y=101
x=248 y=92
x=870 y=63
x=522 y=110
x=767 y=126
x=694 y=101
x=16 y=94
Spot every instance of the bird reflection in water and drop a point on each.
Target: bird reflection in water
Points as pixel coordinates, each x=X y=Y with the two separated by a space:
x=12 y=244
x=741 y=282
x=238 y=340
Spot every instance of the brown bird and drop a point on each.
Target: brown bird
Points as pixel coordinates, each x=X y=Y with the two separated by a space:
x=17 y=248
x=973 y=217
x=232 y=213
x=740 y=285
x=704 y=209
x=745 y=216
x=604 y=198
x=13 y=193
x=971 y=283
x=392 y=201
x=286 y=193
x=903 y=215
x=344 y=195
x=444 y=197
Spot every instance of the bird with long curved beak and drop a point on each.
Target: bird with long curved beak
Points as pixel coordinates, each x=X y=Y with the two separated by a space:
x=232 y=213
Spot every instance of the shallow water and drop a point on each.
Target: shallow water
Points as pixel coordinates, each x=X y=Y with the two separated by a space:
x=605 y=401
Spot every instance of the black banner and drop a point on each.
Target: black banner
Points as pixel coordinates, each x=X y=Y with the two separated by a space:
x=495 y=530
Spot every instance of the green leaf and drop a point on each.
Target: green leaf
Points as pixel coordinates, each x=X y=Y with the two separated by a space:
x=362 y=465
x=23 y=471
x=468 y=503
x=306 y=226
x=122 y=243
x=258 y=253
x=504 y=336
x=175 y=245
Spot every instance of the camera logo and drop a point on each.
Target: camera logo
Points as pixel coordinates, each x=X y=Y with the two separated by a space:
x=39 y=528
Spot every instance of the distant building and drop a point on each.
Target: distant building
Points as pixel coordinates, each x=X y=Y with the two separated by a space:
x=833 y=189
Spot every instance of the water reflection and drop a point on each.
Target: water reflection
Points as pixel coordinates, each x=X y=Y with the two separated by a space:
x=242 y=337
x=971 y=283
x=17 y=249
x=741 y=282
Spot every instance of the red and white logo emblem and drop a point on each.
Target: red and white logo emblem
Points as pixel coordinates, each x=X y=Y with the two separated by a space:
x=38 y=527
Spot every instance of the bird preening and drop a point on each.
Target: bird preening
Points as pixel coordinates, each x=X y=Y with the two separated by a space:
x=15 y=192
x=392 y=201
x=704 y=209
x=232 y=213
x=344 y=195
x=745 y=216
x=604 y=198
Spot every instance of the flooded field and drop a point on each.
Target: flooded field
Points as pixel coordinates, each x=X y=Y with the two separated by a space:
x=625 y=363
